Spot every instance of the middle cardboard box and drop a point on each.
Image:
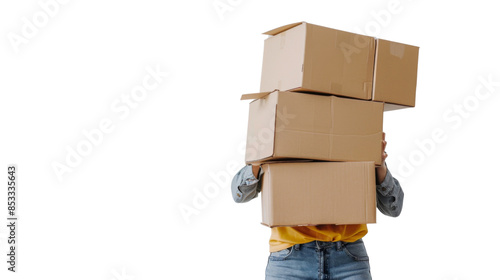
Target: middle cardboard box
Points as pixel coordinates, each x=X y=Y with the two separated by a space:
x=286 y=125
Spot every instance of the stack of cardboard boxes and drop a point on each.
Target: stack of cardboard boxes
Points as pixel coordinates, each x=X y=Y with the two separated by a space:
x=316 y=125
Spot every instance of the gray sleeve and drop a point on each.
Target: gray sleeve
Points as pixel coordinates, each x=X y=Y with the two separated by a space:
x=245 y=186
x=390 y=196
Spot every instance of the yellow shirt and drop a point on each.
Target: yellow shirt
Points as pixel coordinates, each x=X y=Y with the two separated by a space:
x=284 y=237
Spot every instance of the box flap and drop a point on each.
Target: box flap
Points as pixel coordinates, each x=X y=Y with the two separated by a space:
x=261 y=128
x=392 y=107
x=258 y=95
x=282 y=28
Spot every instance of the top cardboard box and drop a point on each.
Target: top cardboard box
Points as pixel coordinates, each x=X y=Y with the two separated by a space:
x=312 y=58
x=309 y=58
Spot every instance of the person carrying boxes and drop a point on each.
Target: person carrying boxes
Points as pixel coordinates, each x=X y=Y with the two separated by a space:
x=321 y=251
x=313 y=146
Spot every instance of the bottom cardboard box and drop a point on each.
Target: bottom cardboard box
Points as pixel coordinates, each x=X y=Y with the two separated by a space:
x=315 y=193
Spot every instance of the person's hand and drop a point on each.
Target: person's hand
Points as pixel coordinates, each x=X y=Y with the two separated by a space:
x=381 y=171
x=384 y=153
x=255 y=170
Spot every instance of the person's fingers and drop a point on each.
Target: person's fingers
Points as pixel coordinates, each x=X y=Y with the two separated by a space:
x=384 y=144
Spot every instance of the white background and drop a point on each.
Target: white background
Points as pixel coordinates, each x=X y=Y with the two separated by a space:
x=117 y=215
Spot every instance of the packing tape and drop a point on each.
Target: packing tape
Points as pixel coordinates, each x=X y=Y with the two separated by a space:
x=335 y=40
x=396 y=50
x=374 y=46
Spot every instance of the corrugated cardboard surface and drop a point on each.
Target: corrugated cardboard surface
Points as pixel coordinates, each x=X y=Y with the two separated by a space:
x=314 y=193
x=309 y=126
x=261 y=128
x=313 y=58
x=395 y=77
x=284 y=59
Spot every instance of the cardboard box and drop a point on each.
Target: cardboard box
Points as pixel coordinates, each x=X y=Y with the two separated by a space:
x=395 y=76
x=311 y=58
x=293 y=125
x=315 y=193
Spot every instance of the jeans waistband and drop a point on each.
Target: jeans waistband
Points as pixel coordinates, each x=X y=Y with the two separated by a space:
x=338 y=245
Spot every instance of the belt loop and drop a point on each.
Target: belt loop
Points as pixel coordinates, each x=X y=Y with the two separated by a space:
x=296 y=247
x=340 y=245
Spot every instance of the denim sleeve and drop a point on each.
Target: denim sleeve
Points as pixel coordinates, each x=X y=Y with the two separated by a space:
x=390 y=196
x=245 y=186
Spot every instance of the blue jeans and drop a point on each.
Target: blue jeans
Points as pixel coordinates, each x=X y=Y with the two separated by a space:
x=320 y=260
